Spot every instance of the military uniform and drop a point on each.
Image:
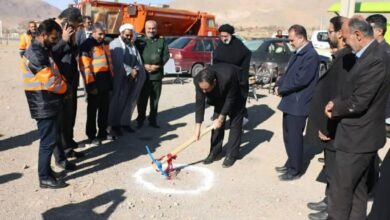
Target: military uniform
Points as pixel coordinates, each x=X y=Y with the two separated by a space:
x=153 y=51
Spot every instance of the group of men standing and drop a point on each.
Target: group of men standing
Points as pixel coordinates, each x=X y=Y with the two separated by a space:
x=114 y=75
x=346 y=110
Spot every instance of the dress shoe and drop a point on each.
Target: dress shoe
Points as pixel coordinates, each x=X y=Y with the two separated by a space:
x=282 y=169
x=74 y=154
x=93 y=143
x=58 y=175
x=52 y=183
x=140 y=124
x=73 y=144
x=116 y=131
x=228 y=162
x=210 y=158
x=128 y=129
x=288 y=177
x=66 y=165
x=154 y=125
x=318 y=206
x=323 y=215
x=321 y=160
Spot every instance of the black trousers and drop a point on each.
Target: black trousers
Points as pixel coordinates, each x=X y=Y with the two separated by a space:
x=233 y=145
x=68 y=119
x=47 y=129
x=380 y=208
x=330 y=156
x=348 y=193
x=97 y=105
x=293 y=127
x=152 y=90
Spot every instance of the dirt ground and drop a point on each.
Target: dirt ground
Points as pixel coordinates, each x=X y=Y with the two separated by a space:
x=107 y=183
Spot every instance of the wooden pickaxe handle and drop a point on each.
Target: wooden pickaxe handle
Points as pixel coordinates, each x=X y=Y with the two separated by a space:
x=187 y=144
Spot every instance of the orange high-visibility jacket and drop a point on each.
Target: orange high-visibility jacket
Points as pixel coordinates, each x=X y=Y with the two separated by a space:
x=48 y=78
x=25 y=41
x=93 y=61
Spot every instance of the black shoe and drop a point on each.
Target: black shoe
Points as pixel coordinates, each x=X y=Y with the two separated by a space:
x=74 y=154
x=323 y=215
x=321 y=160
x=282 y=169
x=288 y=177
x=128 y=129
x=52 y=183
x=210 y=158
x=318 y=206
x=228 y=162
x=102 y=137
x=140 y=124
x=73 y=144
x=116 y=131
x=66 y=165
x=154 y=125
x=57 y=175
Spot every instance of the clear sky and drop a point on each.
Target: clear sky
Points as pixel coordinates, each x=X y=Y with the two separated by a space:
x=62 y=4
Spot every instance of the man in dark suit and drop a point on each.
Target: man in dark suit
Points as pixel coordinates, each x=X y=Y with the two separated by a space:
x=320 y=129
x=379 y=25
x=85 y=32
x=360 y=107
x=296 y=88
x=219 y=85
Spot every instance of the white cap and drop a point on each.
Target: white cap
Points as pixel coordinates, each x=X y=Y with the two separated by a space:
x=126 y=27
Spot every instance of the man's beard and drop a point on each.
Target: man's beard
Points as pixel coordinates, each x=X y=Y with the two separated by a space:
x=332 y=44
x=126 y=41
x=227 y=41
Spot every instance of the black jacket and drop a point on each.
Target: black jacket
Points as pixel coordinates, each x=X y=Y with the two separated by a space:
x=64 y=55
x=42 y=104
x=361 y=104
x=235 y=53
x=226 y=96
x=328 y=87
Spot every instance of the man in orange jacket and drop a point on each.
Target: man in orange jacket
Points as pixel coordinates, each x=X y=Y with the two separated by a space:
x=95 y=66
x=44 y=87
x=26 y=38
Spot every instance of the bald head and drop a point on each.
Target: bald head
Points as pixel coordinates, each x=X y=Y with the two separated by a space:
x=150 y=28
x=357 y=33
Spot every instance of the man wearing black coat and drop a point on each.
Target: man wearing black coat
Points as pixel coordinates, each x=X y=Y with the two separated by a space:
x=232 y=51
x=321 y=130
x=219 y=85
x=64 y=54
x=360 y=107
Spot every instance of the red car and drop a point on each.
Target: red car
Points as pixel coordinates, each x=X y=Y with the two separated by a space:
x=192 y=53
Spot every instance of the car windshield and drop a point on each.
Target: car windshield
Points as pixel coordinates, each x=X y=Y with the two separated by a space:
x=253 y=45
x=179 y=43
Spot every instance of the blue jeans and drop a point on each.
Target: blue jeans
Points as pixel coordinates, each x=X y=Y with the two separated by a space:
x=47 y=129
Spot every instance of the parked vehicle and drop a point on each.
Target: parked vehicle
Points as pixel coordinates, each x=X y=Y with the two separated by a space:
x=270 y=57
x=174 y=22
x=319 y=39
x=192 y=53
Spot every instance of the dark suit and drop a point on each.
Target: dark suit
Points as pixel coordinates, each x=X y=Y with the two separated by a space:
x=328 y=87
x=81 y=36
x=296 y=87
x=361 y=132
x=227 y=99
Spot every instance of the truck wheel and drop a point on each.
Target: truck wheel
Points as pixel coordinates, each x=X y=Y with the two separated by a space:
x=196 y=69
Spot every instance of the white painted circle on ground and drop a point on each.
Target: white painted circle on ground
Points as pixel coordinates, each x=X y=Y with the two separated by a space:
x=207 y=180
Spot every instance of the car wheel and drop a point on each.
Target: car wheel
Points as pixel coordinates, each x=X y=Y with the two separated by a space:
x=196 y=69
x=263 y=76
x=323 y=68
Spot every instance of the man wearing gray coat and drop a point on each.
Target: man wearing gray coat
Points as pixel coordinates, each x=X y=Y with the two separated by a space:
x=129 y=77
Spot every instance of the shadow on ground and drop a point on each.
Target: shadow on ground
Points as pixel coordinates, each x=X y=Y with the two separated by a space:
x=9 y=177
x=19 y=140
x=132 y=145
x=85 y=210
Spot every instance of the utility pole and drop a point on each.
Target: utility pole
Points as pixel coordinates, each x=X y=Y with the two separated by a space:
x=347 y=8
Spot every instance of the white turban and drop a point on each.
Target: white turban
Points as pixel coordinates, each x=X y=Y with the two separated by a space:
x=126 y=27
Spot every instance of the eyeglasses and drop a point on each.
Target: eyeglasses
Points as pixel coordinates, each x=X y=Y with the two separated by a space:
x=329 y=32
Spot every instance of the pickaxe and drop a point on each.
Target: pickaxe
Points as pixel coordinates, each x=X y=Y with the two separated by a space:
x=158 y=163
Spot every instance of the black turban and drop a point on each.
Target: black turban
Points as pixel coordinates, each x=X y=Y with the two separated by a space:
x=226 y=28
